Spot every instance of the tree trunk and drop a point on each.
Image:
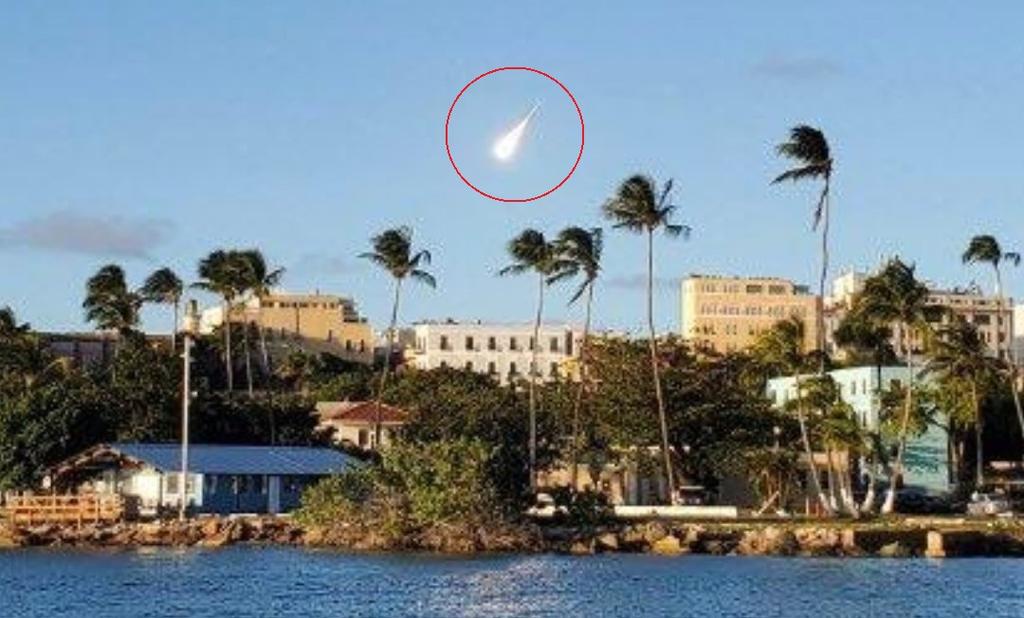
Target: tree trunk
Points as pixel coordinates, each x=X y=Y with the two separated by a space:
x=248 y=356
x=377 y=422
x=868 y=505
x=901 y=447
x=174 y=328
x=581 y=388
x=264 y=354
x=1011 y=362
x=228 y=364
x=662 y=420
x=820 y=317
x=805 y=438
x=533 y=383
x=979 y=438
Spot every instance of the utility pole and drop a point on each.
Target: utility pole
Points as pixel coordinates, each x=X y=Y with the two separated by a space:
x=188 y=330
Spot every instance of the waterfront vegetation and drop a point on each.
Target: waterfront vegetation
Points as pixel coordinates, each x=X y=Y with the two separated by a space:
x=472 y=448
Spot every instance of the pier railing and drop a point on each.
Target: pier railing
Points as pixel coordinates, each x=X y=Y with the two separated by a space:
x=66 y=508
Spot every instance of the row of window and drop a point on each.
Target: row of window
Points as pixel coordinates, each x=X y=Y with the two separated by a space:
x=282 y=304
x=513 y=368
x=469 y=344
x=778 y=311
x=749 y=288
x=236 y=484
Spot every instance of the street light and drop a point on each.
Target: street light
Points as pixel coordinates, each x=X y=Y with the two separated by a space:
x=189 y=328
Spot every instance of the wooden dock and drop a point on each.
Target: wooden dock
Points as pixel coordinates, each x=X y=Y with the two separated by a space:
x=64 y=509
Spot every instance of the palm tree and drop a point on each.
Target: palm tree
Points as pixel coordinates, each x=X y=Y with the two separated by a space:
x=163 y=286
x=109 y=303
x=578 y=252
x=809 y=148
x=261 y=279
x=220 y=273
x=780 y=350
x=393 y=252
x=895 y=296
x=637 y=206
x=986 y=249
x=530 y=251
x=959 y=354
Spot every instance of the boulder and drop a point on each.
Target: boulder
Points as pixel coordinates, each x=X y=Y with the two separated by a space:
x=893 y=550
x=668 y=546
x=607 y=541
x=582 y=547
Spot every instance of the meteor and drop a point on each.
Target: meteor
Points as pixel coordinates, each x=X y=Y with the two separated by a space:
x=508 y=144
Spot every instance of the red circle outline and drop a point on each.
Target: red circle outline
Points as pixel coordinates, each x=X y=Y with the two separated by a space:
x=579 y=156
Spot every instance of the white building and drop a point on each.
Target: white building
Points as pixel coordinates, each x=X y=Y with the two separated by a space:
x=499 y=350
x=927 y=457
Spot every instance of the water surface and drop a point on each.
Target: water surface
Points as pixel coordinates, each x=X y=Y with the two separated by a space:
x=239 y=582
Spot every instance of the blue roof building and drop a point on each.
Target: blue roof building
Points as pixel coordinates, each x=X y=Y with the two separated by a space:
x=221 y=479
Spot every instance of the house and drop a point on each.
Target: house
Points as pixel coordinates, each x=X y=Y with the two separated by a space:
x=221 y=479
x=353 y=422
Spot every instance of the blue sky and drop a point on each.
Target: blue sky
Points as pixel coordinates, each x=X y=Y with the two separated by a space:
x=149 y=133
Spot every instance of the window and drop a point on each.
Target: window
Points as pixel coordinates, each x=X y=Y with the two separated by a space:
x=492 y=368
x=210 y=483
x=348 y=345
x=244 y=484
x=362 y=345
x=364 y=437
x=258 y=486
x=469 y=365
x=554 y=370
x=171 y=481
x=512 y=370
x=444 y=342
x=492 y=343
x=755 y=289
x=553 y=344
x=330 y=335
x=469 y=344
x=513 y=344
x=444 y=364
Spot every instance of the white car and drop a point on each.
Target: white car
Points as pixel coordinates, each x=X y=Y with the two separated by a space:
x=988 y=504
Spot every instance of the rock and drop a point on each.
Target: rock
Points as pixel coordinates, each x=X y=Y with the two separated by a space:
x=210 y=527
x=668 y=546
x=582 y=547
x=607 y=541
x=893 y=550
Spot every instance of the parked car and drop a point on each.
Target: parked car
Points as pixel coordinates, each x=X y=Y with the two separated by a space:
x=989 y=504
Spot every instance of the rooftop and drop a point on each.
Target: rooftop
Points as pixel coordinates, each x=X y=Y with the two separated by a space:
x=359 y=412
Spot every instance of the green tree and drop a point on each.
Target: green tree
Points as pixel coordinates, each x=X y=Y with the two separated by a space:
x=780 y=351
x=639 y=207
x=808 y=147
x=393 y=252
x=578 y=253
x=109 y=303
x=165 y=287
x=958 y=354
x=223 y=274
x=986 y=249
x=895 y=296
x=259 y=280
x=532 y=252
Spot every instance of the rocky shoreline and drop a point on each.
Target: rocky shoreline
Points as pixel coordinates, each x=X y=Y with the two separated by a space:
x=903 y=538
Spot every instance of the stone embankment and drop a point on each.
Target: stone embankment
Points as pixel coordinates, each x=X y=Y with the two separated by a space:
x=899 y=538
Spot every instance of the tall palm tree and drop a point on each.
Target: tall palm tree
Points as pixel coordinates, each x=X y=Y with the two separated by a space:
x=259 y=280
x=958 y=353
x=639 y=207
x=809 y=148
x=164 y=286
x=532 y=252
x=221 y=273
x=578 y=253
x=985 y=249
x=895 y=296
x=109 y=303
x=780 y=350
x=393 y=252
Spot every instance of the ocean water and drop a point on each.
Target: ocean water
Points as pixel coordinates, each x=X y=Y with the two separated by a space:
x=246 y=581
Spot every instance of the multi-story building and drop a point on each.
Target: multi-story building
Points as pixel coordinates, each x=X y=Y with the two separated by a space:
x=927 y=457
x=993 y=317
x=327 y=321
x=726 y=314
x=500 y=350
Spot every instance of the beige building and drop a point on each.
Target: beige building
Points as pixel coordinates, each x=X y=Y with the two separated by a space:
x=354 y=422
x=326 y=319
x=502 y=351
x=994 y=320
x=726 y=314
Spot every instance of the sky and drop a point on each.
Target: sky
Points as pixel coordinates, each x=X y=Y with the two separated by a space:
x=148 y=134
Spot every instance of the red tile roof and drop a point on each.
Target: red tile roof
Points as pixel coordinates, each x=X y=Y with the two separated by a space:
x=359 y=412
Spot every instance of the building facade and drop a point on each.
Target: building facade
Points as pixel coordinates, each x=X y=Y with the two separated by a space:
x=326 y=319
x=994 y=318
x=502 y=351
x=726 y=314
x=354 y=422
x=927 y=455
